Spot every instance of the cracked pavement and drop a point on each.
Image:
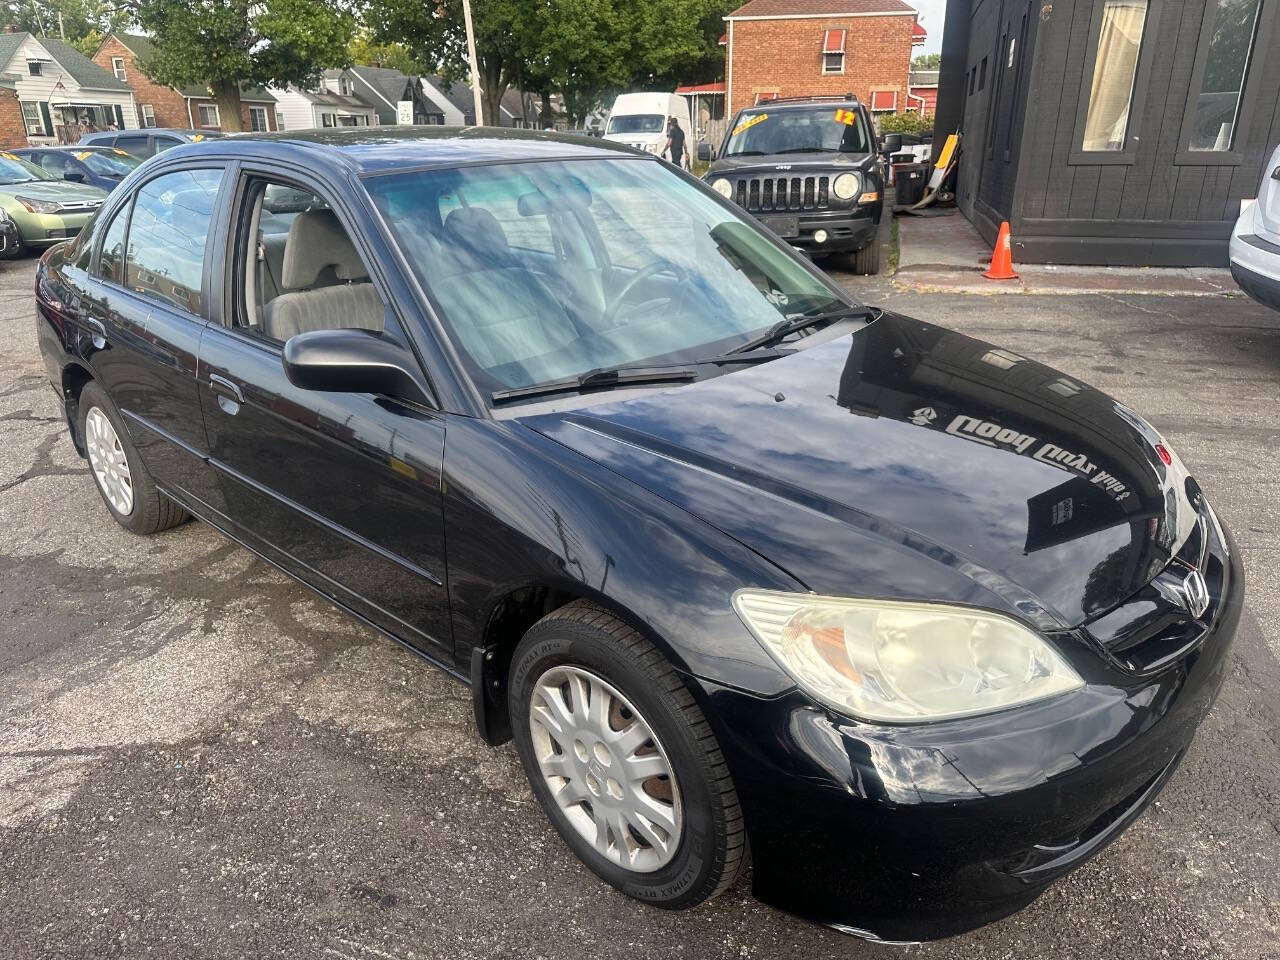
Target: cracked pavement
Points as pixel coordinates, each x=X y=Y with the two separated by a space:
x=199 y=758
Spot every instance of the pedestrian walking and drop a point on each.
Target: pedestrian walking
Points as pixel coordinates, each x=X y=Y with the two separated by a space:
x=676 y=149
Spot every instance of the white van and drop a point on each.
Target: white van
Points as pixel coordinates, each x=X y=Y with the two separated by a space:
x=640 y=120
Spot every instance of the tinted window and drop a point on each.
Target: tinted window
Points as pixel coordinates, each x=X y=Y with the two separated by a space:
x=170 y=225
x=111 y=260
x=54 y=162
x=135 y=145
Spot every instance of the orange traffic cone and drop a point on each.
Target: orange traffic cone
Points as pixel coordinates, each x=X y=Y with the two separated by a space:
x=1001 y=257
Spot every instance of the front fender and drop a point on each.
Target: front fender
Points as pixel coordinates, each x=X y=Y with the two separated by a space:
x=521 y=509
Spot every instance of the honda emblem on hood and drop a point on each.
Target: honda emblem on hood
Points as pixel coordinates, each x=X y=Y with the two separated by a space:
x=1192 y=594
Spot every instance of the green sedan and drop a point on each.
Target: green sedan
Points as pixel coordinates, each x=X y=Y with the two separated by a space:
x=46 y=209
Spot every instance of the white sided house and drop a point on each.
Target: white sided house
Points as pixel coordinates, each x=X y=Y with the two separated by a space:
x=330 y=104
x=62 y=93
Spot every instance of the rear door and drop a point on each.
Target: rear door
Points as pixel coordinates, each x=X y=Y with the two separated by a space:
x=147 y=308
x=342 y=489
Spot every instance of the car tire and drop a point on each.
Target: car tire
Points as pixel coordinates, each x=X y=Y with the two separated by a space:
x=118 y=472
x=581 y=652
x=866 y=262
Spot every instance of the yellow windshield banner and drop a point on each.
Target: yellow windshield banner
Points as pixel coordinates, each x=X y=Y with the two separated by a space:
x=748 y=123
x=123 y=153
x=10 y=156
x=83 y=155
x=847 y=117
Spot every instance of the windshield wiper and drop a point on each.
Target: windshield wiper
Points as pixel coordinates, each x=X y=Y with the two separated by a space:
x=784 y=328
x=807 y=150
x=600 y=377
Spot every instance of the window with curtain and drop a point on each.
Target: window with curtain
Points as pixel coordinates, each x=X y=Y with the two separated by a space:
x=1114 y=71
x=1217 y=108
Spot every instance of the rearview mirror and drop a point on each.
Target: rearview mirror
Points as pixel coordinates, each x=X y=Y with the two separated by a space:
x=705 y=153
x=75 y=176
x=353 y=361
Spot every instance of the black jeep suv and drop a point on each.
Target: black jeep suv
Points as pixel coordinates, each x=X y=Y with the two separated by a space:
x=808 y=168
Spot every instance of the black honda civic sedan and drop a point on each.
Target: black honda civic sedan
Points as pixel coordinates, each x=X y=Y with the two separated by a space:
x=739 y=563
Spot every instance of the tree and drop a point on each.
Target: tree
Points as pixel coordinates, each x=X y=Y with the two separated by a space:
x=364 y=51
x=222 y=44
x=83 y=23
x=579 y=48
x=927 y=61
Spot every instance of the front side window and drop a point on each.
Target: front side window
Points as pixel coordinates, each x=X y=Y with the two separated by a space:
x=642 y=266
x=55 y=163
x=165 y=255
x=209 y=115
x=1217 y=108
x=824 y=129
x=1114 y=71
x=307 y=274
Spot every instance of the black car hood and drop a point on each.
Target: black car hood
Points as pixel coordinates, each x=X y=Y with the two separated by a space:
x=906 y=460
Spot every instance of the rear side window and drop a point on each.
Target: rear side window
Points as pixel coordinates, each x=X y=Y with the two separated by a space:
x=167 y=236
x=135 y=145
x=111 y=260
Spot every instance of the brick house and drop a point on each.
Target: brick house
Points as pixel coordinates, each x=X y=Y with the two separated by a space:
x=124 y=55
x=799 y=48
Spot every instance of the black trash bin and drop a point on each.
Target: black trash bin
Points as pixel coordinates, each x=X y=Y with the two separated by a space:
x=909 y=180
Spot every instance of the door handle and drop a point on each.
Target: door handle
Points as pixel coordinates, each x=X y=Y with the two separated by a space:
x=229 y=396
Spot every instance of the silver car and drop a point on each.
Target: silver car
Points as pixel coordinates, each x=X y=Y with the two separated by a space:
x=1255 y=241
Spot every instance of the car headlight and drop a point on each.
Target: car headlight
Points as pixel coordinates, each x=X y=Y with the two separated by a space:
x=846 y=186
x=903 y=662
x=723 y=187
x=39 y=206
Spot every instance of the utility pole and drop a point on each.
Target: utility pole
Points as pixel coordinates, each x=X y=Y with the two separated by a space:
x=475 y=67
x=61 y=30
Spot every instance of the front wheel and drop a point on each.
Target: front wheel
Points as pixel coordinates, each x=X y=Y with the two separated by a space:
x=866 y=262
x=623 y=760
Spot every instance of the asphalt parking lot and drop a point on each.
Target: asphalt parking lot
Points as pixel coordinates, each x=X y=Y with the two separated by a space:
x=200 y=758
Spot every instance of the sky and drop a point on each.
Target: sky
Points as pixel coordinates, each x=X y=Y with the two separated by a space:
x=932 y=14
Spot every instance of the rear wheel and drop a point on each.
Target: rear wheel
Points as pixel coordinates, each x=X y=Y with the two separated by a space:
x=124 y=483
x=623 y=760
x=866 y=261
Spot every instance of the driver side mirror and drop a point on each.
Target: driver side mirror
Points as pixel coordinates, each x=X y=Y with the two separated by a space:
x=353 y=361
x=706 y=153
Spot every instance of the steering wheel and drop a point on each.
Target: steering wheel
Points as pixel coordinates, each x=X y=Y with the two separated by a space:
x=644 y=273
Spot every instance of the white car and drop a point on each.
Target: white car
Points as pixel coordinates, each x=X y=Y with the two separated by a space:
x=1255 y=241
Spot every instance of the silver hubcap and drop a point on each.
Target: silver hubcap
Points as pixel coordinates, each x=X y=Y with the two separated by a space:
x=110 y=465
x=606 y=770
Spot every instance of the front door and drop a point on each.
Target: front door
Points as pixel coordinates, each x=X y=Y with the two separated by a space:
x=343 y=489
x=147 y=311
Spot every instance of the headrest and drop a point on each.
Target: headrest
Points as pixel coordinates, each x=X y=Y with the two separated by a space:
x=317 y=240
x=478 y=232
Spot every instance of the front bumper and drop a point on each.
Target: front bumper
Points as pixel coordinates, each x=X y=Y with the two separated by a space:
x=906 y=833
x=845 y=230
x=40 y=229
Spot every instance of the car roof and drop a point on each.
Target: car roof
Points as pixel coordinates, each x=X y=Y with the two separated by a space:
x=372 y=150
x=64 y=148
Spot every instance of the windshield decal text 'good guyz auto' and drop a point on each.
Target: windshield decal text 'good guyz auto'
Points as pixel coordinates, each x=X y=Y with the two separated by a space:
x=993 y=435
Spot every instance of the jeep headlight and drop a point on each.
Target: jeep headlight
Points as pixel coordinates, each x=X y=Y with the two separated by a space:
x=846 y=186
x=39 y=206
x=723 y=187
x=903 y=662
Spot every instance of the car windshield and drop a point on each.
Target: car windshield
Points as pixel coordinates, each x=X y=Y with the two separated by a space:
x=636 y=123
x=824 y=129
x=553 y=269
x=13 y=169
x=108 y=163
